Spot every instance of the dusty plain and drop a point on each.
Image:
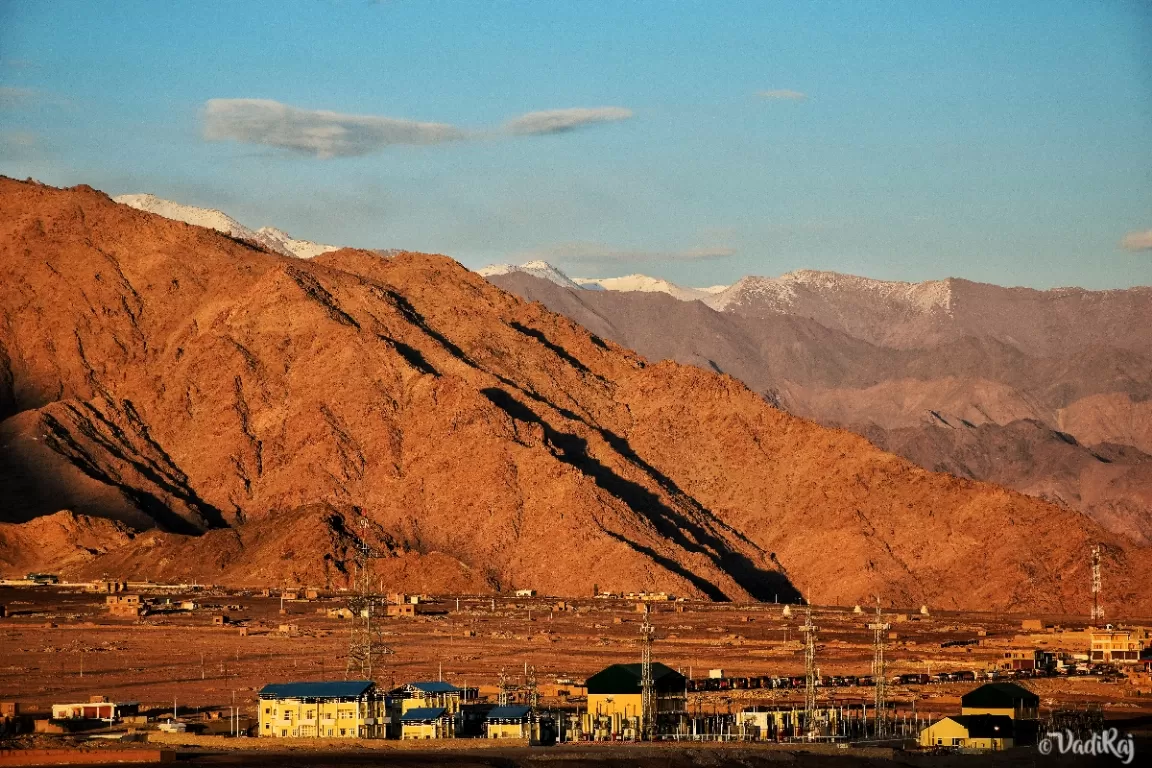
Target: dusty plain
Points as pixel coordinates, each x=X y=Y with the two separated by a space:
x=60 y=645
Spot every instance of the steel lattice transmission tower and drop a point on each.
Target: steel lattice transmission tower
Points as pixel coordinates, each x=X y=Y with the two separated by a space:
x=502 y=696
x=809 y=630
x=879 y=670
x=647 y=686
x=1097 y=591
x=365 y=643
x=532 y=693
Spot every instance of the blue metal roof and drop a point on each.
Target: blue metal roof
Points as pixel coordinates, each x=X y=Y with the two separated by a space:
x=422 y=713
x=339 y=689
x=509 y=713
x=435 y=687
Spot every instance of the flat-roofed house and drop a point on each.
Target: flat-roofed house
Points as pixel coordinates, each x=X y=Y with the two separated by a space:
x=347 y=709
x=1116 y=646
x=94 y=710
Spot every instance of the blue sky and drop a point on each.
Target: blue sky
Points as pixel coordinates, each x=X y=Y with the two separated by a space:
x=1007 y=142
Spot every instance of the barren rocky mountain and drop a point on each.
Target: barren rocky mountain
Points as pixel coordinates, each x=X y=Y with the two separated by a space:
x=1047 y=392
x=246 y=417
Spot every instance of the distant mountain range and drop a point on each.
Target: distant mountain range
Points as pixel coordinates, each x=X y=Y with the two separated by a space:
x=1047 y=392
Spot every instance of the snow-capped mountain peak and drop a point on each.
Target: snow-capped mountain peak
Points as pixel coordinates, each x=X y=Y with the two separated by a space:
x=541 y=269
x=784 y=293
x=280 y=240
x=271 y=238
x=209 y=218
x=645 y=284
x=642 y=283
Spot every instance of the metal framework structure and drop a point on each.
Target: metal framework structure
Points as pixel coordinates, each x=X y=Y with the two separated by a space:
x=1097 y=591
x=365 y=643
x=502 y=698
x=647 y=686
x=532 y=694
x=879 y=671
x=809 y=629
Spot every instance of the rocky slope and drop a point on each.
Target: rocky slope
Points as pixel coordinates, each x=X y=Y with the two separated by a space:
x=253 y=416
x=929 y=371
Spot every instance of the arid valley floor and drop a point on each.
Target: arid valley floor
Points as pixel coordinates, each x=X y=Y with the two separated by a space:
x=60 y=644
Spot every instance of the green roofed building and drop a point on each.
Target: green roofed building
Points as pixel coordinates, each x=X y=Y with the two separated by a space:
x=1007 y=699
x=614 y=700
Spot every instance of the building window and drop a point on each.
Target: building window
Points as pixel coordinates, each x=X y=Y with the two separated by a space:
x=267 y=710
x=343 y=732
x=956 y=741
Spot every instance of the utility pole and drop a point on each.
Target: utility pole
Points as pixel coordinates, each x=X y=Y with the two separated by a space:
x=1097 y=594
x=647 y=686
x=809 y=630
x=365 y=642
x=879 y=672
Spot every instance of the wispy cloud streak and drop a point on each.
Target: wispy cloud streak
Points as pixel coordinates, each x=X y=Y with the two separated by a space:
x=599 y=253
x=564 y=120
x=783 y=94
x=1137 y=241
x=315 y=132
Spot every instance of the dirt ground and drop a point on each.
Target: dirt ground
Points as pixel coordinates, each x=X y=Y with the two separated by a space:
x=59 y=645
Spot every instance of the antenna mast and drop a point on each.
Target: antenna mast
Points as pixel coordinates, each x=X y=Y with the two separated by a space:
x=365 y=641
x=1097 y=592
x=879 y=671
x=647 y=688
x=809 y=630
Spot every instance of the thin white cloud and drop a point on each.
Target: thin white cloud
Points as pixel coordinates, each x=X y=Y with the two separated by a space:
x=1137 y=241
x=22 y=139
x=783 y=94
x=11 y=97
x=599 y=253
x=564 y=120
x=315 y=132
x=327 y=134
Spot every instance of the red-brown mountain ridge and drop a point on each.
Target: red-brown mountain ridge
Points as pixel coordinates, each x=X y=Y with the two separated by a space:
x=248 y=417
